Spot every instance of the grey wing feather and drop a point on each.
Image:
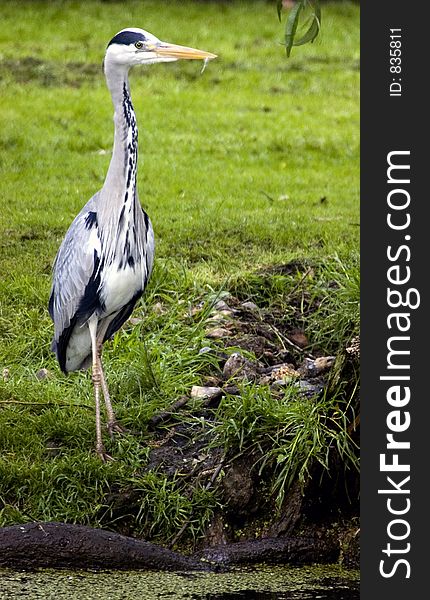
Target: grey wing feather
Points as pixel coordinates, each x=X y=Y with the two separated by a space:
x=73 y=267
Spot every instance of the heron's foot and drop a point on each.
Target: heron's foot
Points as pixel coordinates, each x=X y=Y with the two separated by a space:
x=104 y=456
x=115 y=427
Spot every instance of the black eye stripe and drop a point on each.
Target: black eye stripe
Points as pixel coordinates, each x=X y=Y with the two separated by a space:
x=127 y=38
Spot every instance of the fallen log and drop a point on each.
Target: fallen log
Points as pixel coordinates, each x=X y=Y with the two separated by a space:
x=63 y=545
x=288 y=550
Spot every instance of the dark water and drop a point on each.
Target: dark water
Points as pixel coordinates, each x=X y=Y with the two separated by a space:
x=328 y=589
x=260 y=582
x=351 y=592
x=348 y=592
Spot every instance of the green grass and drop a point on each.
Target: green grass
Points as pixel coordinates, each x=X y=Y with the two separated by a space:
x=251 y=164
x=288 y=434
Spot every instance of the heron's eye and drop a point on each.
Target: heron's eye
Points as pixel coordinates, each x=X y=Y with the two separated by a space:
x=139 y=45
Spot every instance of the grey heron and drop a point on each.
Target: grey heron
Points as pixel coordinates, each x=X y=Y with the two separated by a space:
x=105 y=260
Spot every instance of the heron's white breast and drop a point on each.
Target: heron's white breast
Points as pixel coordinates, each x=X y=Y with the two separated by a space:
x=119 y=286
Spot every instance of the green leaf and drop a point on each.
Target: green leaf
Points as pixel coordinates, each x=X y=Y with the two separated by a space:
x=293 y=22
x=313 y=30
x=291 y=26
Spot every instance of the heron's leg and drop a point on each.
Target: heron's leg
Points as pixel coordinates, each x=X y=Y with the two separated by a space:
x=112 y=423
x=97 y=378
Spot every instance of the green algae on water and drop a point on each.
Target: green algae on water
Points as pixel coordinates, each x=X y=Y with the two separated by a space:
x=258 y=581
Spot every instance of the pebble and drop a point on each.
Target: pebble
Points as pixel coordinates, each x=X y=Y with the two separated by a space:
x=298 y=338
x=42 y=374
x=221 y=305
x=205 y=350
x=198 y=391
x=309 y=389
x=217 y=332
x=312 y=368
x=250 y=306
x=239 y=367
x=221 y=316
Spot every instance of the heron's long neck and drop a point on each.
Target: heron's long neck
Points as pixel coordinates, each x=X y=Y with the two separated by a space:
x=120 y=182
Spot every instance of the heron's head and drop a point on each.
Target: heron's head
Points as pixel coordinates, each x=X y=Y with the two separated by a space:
x=133 y=46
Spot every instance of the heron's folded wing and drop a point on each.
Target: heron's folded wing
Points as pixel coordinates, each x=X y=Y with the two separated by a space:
x=74 y=268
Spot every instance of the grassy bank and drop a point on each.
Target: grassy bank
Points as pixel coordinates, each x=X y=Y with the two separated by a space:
x=249 y=166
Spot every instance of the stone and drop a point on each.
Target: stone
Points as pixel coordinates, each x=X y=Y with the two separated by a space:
x=308 y=388
x=299 y=338
x=221 y=316
x=199 y=391
x=221 y=305
x=250 y=306
x=217 y=333
x=314 y=367
x=323 y=363
x=239 y=367
x=42 y=374
x=205 y=350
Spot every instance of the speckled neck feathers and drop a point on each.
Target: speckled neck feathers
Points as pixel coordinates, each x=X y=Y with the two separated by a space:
x=121 y=175
x=119 y=207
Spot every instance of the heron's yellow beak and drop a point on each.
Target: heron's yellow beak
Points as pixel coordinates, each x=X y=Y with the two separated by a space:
x=174 y=51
